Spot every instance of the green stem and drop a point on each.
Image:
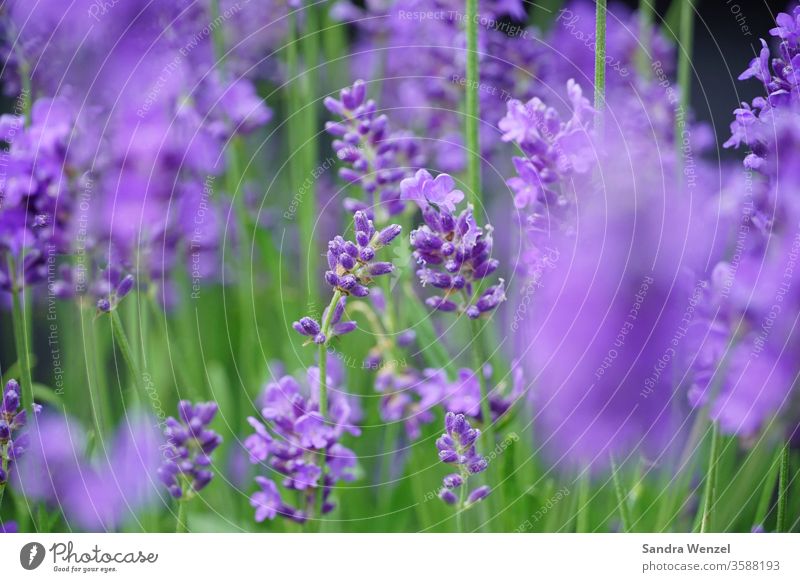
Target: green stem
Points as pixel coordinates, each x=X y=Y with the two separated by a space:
x=181 y=526
x=647 y=12
x=783 y=489
x=621 y=497
x=323 y=385
x=600 y=60
x=323 y=381
x=462 y=493
x=711 y=481
x=685 y=49
x=4 y=464
x=472 y=138
x=323 y=354
x=124 y=346
x=762 y=510
x=478 y=361
x=21 y=337
x=301 y=141
x=101 y=411
x=582 y=519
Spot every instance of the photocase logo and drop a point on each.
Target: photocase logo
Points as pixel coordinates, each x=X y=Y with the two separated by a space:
x=31 y=555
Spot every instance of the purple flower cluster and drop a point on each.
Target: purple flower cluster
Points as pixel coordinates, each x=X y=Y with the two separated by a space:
x=297 y=443
x=187 y=456
x=378 y=158
x=13 y=418
x=457 y=447
x=310 y=327
x=780 y=77
x=94 y=494
x=351 y=269
x=425 y=92
x=739 y=359
x=554 y=149
x=411 y=396
x=463 y=395
x=124 y=179
x=605 y=313
x=112 y=287
x=35 y=200
x=454 y=254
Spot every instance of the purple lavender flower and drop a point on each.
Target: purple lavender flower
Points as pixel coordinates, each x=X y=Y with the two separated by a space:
x=457 y=446
x=453 y=253
x=267 y=502
x=112 y=287
x=554 y=149
x=186 y=467
x=378 y=159
x=425 y=189
x=352 y=268
x=779 y=75
x=308 y=326
x=36 y=191
x=292 y=439
x=408 y=396
x=463 y=396
x=94 y=494
x=13 y=440
x=424 y=93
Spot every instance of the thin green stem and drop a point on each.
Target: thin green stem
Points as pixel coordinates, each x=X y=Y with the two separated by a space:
x=181 y=525
x=647 y=12
x=323 y=354
x=323 y=382
x=685 y=49
x=4 y=464
x=462 y=493
x=472 y=137
x=101 y=411
x=783 y=489
x=300 y=130
x=762 y=510
x=582 y=519
x=707 y=520
x=600 y=60
x=479 y=361
x=124 y=346
x=622 y=497
x=21 y=337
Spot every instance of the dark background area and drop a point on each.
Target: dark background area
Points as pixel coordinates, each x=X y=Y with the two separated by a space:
x=722 y=50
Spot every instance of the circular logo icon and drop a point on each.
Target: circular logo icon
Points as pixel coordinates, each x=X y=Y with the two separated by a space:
x=31 y=555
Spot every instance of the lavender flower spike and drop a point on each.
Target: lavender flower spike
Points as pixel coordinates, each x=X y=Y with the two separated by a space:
x=454 y=254
x=351 y=269
x=12 y=420
x=377 y=158
x=457 y=446
x=295 y=441
x=186 y=468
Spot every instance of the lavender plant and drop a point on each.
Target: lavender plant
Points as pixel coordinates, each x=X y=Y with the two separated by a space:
x=163 y=194
x=302 y=445
x=457 y=447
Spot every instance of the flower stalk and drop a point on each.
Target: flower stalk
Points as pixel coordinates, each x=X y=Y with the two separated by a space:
x=472 y=137
x=21 y=337
x=685 y=49
x=600 y=60
x=707 y=522
x=783 y=489
x=622 y=497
